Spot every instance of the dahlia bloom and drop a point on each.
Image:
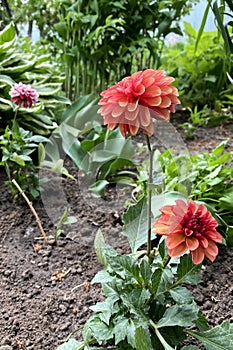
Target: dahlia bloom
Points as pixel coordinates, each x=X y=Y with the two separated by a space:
x=22 y=94
x=135 y=101
x=189 y=227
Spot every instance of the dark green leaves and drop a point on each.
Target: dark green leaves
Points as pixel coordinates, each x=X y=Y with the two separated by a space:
x=187 y=271
x=217 y=338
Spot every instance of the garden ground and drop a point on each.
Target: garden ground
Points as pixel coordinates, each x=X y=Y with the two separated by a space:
x=45 y=288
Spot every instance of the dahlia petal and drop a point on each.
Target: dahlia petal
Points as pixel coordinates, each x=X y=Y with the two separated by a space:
x=214 y=235
x=192 y=243
x=212 y=249
x=180 y=208
x=117 y=111
x=167 y=209
x=160 y=229
x=203 y=241
x=152 y=101
x=165 y=81
x=131 y=107
x=197 y=255
x=123 y=102
x=165 y=90
x=152 y=91
x=192 y=206
x=210 y=256
x=130 y=116
x=133 y=129
x=149 y=130
x=139 y=90
x=148 y=81
x=178 y=251
x=174 y=240
x=160 y=113
x=144 y=116
x=166 y=102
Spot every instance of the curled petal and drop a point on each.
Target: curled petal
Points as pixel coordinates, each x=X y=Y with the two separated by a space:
x=197 y=255
x=178 y=250
x=173 y=240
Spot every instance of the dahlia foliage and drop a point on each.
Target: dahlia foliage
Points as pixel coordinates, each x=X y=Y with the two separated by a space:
x=135 y=101
x=189 y=227
x=23 y=95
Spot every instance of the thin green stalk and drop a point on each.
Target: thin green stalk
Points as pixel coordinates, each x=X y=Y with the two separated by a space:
x=150 y=181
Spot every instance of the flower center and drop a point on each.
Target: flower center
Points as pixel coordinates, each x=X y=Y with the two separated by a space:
x=193 y=226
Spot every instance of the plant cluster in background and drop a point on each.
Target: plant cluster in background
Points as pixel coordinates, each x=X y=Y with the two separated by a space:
x=27 y=68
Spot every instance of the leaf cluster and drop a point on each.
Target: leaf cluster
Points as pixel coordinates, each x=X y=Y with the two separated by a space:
x=19 y=66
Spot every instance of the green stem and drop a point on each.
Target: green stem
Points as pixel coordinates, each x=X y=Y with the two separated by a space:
x=16 y=111
x=150 y=181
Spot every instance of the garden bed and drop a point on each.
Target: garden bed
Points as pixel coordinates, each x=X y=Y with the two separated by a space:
x=45 y=288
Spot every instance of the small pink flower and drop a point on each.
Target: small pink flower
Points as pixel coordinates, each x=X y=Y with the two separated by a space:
x=135 y=101
x=189 y=227
x=23 y=95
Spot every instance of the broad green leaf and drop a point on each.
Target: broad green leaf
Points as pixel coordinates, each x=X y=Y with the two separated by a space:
x=124 y=265
x=179 y=315
x=98 y=329
x=6 y=79
x=190 y=347
x=7 y=34
x=226 y=202
x=120 y=329
x=100 y=246
x=181 y=295
x=142 y=339
x=145 y=271
x=187 y=271
x=71 y=344
x=48 y=90
x=135 y=224
x=155 y=281
x=217 y=338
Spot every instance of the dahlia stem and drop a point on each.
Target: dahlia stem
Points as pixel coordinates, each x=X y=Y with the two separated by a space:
x=149 y=214
x=16 y=111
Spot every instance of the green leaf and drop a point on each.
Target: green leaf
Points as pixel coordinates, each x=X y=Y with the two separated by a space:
x=145 y=271
x=202 y=26
x=71 y=344
x=190 y=347
x=181 y=295
x=135 y=224
x=6 y=79
x=7 y=34
x=100 y=247
x=124 y=265
x=179 y=315
x=187 y=271
x=98 y=329
x=226 y=202
x=120 y=329
x=155 y=281
x=217 y=338
x=142 y=339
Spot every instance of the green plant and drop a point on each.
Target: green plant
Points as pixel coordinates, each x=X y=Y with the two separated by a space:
x=64 y=220
x=18 y=146
x=18 y=66
x=200 y=71
x=104 y=41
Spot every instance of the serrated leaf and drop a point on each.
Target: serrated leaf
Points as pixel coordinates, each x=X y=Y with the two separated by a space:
x=142 y=339
x=96 y=328
x=155 y=281
x=145 y=271
x=120 y=329
x=135 y=224
x=217 y=338
x=124 y=265
x=179 y=315
x=181 y=295
x=187 y=271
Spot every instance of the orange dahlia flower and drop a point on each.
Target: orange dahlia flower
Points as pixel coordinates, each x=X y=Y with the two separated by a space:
x=189 y=227
x=135 y=101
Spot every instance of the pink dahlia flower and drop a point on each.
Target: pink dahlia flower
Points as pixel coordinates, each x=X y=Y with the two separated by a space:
x=23 y=95
x=135 y=101
x=189 y=227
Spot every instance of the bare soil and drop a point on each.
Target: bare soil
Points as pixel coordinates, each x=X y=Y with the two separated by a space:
x=45 y=289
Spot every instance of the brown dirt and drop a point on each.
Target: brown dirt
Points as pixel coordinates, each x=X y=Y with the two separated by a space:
x=45 y=288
